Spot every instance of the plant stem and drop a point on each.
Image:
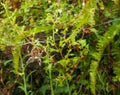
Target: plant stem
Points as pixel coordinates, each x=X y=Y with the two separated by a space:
x=68 y=87
x=50 y=76
x=24 y=77
x=25 y=86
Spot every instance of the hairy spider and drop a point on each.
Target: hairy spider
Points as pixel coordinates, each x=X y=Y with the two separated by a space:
x=35 y=55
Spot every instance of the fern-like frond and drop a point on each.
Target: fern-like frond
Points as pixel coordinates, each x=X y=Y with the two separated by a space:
x=16 y=59
x=103 y=42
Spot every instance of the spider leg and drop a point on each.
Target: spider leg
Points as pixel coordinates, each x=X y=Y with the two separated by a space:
x=39 y=61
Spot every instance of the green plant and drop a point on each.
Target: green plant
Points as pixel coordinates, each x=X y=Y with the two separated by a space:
x=25 y=86
x=62 y=47
x=102 y=44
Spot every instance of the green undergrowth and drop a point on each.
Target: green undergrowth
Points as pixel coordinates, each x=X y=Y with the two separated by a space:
x=59 y=47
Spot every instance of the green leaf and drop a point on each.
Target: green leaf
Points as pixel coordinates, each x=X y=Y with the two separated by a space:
x=6 y=62
x=44 y=88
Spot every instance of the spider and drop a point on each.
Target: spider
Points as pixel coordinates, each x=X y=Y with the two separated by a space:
x=35 y=55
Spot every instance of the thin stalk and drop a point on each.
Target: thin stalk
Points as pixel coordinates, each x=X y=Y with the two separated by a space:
x=25 y=86
x=50 y=71
x=24 y=77
x=68 y=86
x=51 y=84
